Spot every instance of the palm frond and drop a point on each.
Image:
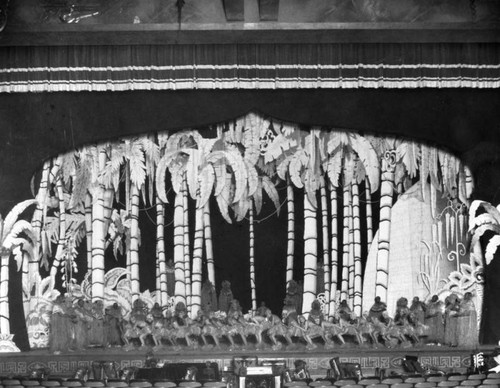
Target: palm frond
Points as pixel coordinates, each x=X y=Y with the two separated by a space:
x=271 y=192
x=14 y=214
x=207 y=181
x=368 y=157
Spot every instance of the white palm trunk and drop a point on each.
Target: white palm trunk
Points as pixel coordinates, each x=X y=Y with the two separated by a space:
x=98 y=236
x=160 y=251
x=88 y=227
x=187 y=244
x=344 y=287
x=351 y=259
x=109 y=196
x=209 y=250
x=180 y=284
x=134 y=242
x=358 y=281
x=4 y=293
x=326 y=245
x=310 y=255
x=197 y=267
x=290 y=247
x=30 y=266
x=334 y=249
x=252 y=256
x=41 y=197
x=386 y=191
x=369 y=215
x=62 y=232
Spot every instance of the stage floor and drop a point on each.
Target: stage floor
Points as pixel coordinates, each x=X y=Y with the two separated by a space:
x=64 y=365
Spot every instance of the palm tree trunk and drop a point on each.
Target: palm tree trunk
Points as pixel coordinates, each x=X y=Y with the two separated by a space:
x=180 y=284
x=109 y=196
x=134 y=242
x=310 y=255
x=187 y=244
x=209 y=250
x=41 y=197
x=88 y=228
x=334 y=249
x=4 y=293
x=326 y=247
x=369 y=217
x=290 y=248
x=30 y=266
x=351 y=259
x=358 y=293
x=252 y=255
x=386 y=191
x=344 y=287
x=160 y=249
x=197 y=267
x=62 y=232
x=98 y=236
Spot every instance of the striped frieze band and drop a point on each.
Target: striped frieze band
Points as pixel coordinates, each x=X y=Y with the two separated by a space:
x=280 y=66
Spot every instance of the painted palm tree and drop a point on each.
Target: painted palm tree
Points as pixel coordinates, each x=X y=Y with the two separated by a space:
x=305 y=172
x=352 y=156
x=332 y=166
x=42 y=197
x=175 y=160
x=280 y=151
x=98 y=226
x=391 y=152
x=326 y=245
x=16 y=237
x=138 y=155
x=202 y=164
x=161 y=262
x=31 y=266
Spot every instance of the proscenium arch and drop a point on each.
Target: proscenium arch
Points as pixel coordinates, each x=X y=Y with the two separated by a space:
x=37 y=126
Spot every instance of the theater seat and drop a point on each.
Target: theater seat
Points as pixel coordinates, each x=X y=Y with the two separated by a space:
x=6 y=382
x=116 y=383
x=94 y=383
x=73 y=383
x=436 y=379
x=448 y=384
x=342 y=382
x=190 y=384
x=490 y=381
x=470 y=383
x=414 y=379
x=52 y=383
x=320 y=383
x=366 y=382
x=164 y=384
x=457 y=378
x=140 y=383
x=425 y=384
x=392 y=380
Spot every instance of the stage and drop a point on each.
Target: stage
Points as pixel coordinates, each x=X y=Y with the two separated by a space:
x=65 y=364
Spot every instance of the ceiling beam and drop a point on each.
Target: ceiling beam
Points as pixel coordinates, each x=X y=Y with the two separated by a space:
x=248 y=33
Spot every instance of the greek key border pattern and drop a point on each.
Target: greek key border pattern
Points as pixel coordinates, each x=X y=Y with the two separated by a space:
x=316 y=364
